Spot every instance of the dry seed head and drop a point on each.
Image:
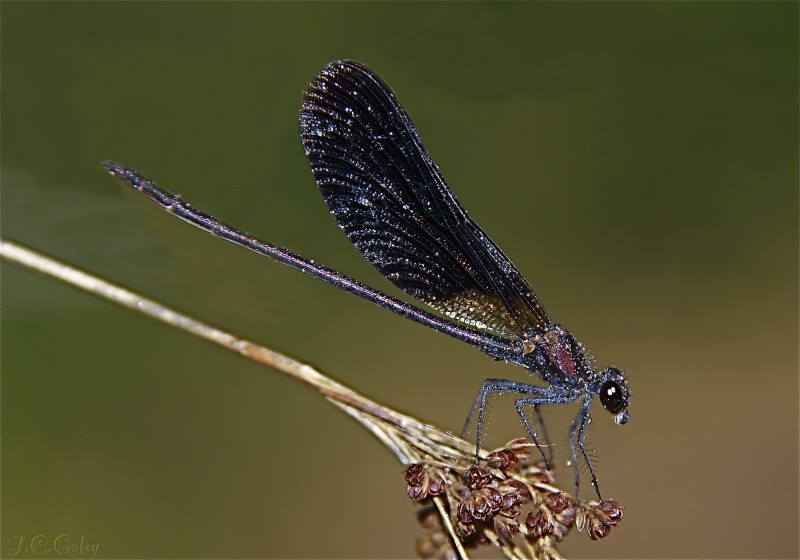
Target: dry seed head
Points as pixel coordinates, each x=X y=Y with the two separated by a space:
x=556 y=501
x=423 y=481
x=507 y=458
x=609 y=512
x=415 y=474
x=538 y=523
x=477 y=477
x=480 y=505
x=597 y=529
x=506 y=527
x=435 y=543
x=566 y=517
x=464 y=530
x=601 y=517
x=502 y=498
x=598 y=519
x=511 y=511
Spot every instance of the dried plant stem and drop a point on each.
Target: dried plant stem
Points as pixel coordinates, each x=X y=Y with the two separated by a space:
x=440 y=462
x=439 y=502
x=351 y=401
x=408 y=438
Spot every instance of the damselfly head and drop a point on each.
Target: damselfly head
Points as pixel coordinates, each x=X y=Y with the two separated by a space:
x=614 y=394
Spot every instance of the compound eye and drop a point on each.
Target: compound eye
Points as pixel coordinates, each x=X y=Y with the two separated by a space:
x=613 y=397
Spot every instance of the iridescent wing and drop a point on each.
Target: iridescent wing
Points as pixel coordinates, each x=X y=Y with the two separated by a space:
x=393 y=204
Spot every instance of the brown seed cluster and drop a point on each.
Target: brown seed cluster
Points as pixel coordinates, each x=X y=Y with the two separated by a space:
x=509 y=457
x=504 y=496
x=423 y=482
x=598 y=519
x=554 y=516
x=489 y=498
x=436 y=542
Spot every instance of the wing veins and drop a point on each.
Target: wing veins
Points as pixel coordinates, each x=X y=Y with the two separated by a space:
x=372 y=168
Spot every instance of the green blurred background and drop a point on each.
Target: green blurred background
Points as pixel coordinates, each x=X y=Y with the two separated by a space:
x=637 y=161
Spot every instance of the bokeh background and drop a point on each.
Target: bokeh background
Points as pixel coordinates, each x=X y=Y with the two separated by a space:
x=636 y=160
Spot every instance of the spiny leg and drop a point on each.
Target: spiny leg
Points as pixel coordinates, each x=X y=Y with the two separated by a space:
x=489 y=387
x=572 y=429
x=546 y=397
x=536 y=396
x=540 y=420
x=577 y=433
x=581 y=437
x=520 y=405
